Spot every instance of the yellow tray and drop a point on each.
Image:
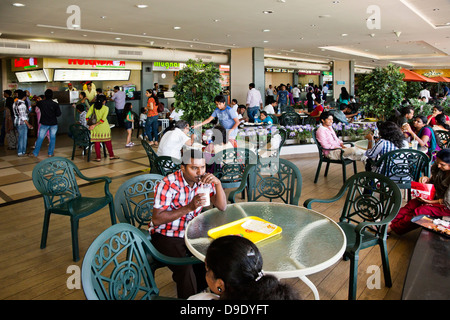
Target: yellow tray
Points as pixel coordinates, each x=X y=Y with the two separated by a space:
x=371 y=119
x=268 y=230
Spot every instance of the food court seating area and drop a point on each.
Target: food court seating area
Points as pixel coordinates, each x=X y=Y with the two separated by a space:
x=29 y=272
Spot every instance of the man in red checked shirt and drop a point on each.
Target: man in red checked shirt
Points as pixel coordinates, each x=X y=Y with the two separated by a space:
x=177 y=201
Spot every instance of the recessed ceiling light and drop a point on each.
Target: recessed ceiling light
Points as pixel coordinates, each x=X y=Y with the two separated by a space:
x=216 y=20
x=103 y=17
x=176 y=28
x=267 y=11
x=344 y=34
x=335 y=2
x=118 y=38
x=266 y=30
x=18 y=4
x=141 y=6
x=265 y=41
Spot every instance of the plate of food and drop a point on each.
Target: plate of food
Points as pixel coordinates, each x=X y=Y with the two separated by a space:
x=439 y=225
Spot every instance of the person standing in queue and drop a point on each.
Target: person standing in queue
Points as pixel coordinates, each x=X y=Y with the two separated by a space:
x=119 y=100
x=151 y=124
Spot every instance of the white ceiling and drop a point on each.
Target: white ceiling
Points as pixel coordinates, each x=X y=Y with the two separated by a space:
x=411 y=33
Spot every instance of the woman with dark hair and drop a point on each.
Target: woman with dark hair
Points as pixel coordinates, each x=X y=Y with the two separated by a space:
x=424 y=135
x=441 y=123
x=344 y=97
x=128 y=121
x=175 y=139
x=391 y=138
x=151 y=124
x=101 y=131
x=437 y=110
x=234 y=272
x=440 y=206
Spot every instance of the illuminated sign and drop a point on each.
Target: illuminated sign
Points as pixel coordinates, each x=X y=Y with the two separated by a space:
x=97 y=63
x=25 y=63
x=167 y=66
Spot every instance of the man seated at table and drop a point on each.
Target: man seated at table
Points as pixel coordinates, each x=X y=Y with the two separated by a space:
x=177 y=202
x=328 y=140
x=340 y=113
x=270 y=107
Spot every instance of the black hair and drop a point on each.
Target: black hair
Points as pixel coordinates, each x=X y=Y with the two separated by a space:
x=48 y=94
x=251 y=85
x=99 y=101
x=264 y=113
x=80 y=107
x=406 y=110
x=181 y=124
x=344 y=94
x=324 y=115
x=116 y=88
x=241 y=106
x=8 y=92
x=444 y=155
x=238 y=262
x=83 y=94
x=219 y=98
x=126 y=109
x=21 y=94
x=99 y=90
x=343 y=106
x=423 y=118
x=441 y=120
x=391 y=131
x=318 y=99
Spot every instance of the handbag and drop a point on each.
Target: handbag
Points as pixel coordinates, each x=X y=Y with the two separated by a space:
x=422 y=190
x=93 y=119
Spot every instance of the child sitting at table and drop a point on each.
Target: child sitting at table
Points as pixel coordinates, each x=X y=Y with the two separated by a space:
x=234 y=272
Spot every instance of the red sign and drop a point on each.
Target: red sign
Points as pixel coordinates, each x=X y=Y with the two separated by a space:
x=25 y=63
x=95 y=63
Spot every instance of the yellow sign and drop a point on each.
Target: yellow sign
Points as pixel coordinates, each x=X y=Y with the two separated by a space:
x=430 y=73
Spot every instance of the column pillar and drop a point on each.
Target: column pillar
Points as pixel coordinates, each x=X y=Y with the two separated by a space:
x=246 y=66
x=343 y=76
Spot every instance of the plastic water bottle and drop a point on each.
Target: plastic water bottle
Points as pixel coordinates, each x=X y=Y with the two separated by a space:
x=206 y=189
x=376 y=134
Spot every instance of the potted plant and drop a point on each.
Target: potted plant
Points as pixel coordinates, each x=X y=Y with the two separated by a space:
x=381 y=91
x=196 y=86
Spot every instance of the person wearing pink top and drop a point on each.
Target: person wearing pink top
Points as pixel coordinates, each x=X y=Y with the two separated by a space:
x=328 y=140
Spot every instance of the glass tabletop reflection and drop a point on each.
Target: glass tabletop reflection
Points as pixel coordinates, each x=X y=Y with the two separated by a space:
x=309 y=241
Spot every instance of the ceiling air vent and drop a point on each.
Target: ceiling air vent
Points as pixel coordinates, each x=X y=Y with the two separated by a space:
x=130 y=53
x=202 y=56
x=15 y=45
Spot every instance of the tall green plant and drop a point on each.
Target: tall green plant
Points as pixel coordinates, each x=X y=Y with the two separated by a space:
x=381 y=91
x=196 y=86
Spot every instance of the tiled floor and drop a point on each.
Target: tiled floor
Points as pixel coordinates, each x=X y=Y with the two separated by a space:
x=16 y=183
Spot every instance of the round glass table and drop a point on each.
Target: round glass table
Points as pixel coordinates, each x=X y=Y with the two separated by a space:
x=309 y=242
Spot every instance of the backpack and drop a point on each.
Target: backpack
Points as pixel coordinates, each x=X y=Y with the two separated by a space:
x=160 y=107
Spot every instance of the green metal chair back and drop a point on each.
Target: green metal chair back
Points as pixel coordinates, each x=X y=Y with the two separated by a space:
x=443 y=138
x=274 y=118
x=373 y=200
x=403 y=166
x=323 y=159
x=167 y=165
x=270 y=179
x=55 y=179
x=290 y=119
x=229 y=165
x=117 y=266
x=151 y=157
x=134 y=200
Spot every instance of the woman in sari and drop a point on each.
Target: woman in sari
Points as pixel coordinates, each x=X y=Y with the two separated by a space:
x=424 y=135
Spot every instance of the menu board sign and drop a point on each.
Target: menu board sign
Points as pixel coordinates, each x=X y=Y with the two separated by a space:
x=90 y=75
x=32 y=76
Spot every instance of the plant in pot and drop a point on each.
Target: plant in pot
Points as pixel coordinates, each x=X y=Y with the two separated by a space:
x=381 y=91
x=196 y=86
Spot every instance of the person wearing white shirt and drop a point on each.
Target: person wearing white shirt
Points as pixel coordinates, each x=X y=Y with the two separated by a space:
x=234 y=105
x=254 y=102
x=296 y=94
x=425 y=93
x=173 y=140
x=270 y=93
x=269 y=108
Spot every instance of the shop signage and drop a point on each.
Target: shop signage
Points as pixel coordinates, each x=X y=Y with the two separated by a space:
x=167 y=66
x=97 y=63
x=26 y=63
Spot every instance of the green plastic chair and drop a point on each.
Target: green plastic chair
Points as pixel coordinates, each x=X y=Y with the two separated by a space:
x=229 y=165
x=403 y=166
x=117 y=266
x=133 y=203
x=82 y=138
x=372 y=201
x=134 y=200
x=323 y=159
x=55 y=179
x=444 y=138
x=290 y=119
x=167 y=165
x=271 y=179
x=151 y=157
